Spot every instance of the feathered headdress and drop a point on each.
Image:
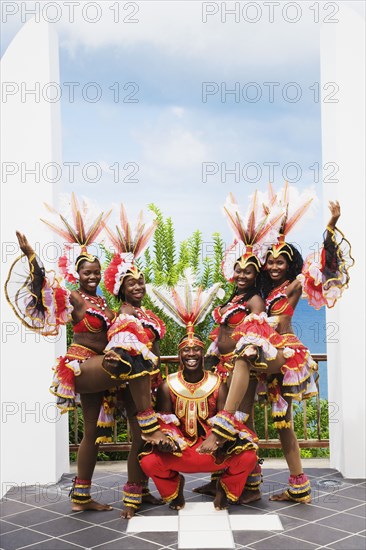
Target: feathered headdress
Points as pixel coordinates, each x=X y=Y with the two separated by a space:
x=292 y=215
x=129 y=245
x=257 y=231
x=186 y=304
x=77 y=237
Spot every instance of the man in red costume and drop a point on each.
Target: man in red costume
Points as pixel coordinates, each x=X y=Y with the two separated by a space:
x=185 y=403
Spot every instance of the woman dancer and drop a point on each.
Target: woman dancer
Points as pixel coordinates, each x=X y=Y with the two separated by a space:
x=136 y=327
x=281 y=351
x=49 y=305
x=244 y=300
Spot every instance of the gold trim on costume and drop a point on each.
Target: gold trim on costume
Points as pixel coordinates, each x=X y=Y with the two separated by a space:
x=191 y=401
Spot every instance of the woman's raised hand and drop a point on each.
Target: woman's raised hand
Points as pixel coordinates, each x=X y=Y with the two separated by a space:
x=25 y=247
x=335 y=211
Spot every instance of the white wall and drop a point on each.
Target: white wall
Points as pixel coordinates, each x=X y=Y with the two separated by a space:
x=34 y=439
x=343 y=128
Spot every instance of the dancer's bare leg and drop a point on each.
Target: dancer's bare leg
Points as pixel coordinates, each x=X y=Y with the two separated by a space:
x=140 y=389
x=291 y=450
x=210 y=488
x=93 y=377
x=135 y=473
x=238 y=387
x=88 y=450
x=246 y=406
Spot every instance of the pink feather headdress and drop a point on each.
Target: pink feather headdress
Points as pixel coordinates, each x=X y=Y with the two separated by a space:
x=76 y=236
x=129 y=245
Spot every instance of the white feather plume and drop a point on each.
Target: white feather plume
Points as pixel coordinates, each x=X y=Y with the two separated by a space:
x=186 y=302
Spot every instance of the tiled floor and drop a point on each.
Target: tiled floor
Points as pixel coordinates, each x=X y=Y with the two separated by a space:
x=40 y=518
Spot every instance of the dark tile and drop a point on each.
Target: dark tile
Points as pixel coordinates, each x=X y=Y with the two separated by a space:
x=351 y=543
x=36 y=515
x=358 y=493
x=356 y=481
x=242 y=510
x=290 y=522
x=62 y=507
x=8 y=507
x=306 y=512
x=62 y=526
x=106 y=495
x=282 y=542
x=21 y=537
x=345 y=522
x=266 y=505
x=118 y=524
x=279 y=477
x=37 y=495
x=109 y=480
x=158 y=511
x=321 y=472
x=250 y=537
x=358 y=511
x=163 y=538
x=93 y=536
x=6 y=527
x=96 y=518
x=54 y=544
x=333 y=501
x=129 y=543
x=317 y=534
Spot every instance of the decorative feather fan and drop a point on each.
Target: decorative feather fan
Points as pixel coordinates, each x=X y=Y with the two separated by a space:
x=258 y=225
x=293 y=203
x=126 y=240
x=76 y=234
x=186 y=303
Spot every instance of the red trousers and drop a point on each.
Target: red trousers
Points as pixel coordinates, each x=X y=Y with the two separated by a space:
x=164 y=470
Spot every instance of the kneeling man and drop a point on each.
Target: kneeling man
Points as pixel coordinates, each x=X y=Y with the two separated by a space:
x=186 y=402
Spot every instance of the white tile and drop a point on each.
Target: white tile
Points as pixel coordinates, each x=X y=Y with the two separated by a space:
x=258 y=522
x=201 y=509
x=139 y=524
x=205 y=539
x=209 y=523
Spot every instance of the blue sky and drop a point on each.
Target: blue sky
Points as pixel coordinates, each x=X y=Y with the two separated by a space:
x=170 y=132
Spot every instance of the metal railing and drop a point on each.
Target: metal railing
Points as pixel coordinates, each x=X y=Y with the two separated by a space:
x=264 y=441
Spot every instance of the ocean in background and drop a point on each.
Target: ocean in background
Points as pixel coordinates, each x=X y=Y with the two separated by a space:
x=310 y=327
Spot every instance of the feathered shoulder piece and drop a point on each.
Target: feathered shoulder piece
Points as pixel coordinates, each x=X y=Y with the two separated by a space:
x=255 y=231
x=79 y=232
x=128 y=245
x=186 y=303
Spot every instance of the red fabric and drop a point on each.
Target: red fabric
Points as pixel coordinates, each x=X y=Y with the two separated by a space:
x=129 y=325
x=65 y=375
x=95 y=322
x=61 y=300
x=110 y=273
x=164 y=469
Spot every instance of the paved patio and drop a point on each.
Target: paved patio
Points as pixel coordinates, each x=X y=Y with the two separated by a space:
x=39 y=517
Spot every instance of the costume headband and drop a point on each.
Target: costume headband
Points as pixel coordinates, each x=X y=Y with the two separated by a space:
x=77 y=237
x=281 y=247
x=190 y=340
